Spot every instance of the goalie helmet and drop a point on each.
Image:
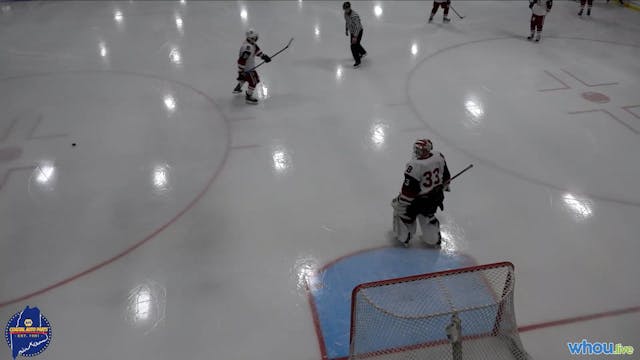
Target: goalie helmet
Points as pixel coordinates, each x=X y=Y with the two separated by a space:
x=422 y=148
x=346 y=5
x=252 y=35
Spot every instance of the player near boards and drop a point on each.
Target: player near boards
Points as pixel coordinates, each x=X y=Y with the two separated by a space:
x=425 y=179
x=353 y=26
x=445 y=6
x=246 y=61
x=539 y=9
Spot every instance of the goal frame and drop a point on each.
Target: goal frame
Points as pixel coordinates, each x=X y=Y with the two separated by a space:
x=476 y=268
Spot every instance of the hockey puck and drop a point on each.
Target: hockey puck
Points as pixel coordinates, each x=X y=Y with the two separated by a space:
x=73 y=144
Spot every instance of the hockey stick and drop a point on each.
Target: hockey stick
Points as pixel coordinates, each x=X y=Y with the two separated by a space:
x=272 y=56
x=456 y=175
x=454 y=10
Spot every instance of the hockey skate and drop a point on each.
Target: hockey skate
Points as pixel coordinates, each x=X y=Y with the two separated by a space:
x=446 y=20
x=357 y=64
x=530 y=37
x=406 y=241
x=580 y=12
x=589 y=12
x=430 y=19
x=538 y=38
x=249 y=99
x=237 y=89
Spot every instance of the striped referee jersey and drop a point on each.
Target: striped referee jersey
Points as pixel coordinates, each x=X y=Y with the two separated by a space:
x=353 y=23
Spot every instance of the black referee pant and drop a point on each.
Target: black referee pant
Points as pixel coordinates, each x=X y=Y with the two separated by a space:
x=356 y=49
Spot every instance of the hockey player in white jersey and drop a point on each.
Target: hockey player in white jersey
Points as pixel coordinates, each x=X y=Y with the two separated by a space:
x=246 y=61
x=421 y=195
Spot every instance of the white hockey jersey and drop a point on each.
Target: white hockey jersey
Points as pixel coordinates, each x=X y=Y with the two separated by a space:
x=422 y=175
x=248 y=53
x=540 y=7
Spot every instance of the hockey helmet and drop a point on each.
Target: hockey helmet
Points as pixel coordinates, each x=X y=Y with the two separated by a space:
x=252 y=35
x=422 y=148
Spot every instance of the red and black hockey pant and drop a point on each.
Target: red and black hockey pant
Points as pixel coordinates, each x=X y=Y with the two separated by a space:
x=425 y=205
x=590 y=2
x=251 y=77
x=536 y=22
x=445 y=6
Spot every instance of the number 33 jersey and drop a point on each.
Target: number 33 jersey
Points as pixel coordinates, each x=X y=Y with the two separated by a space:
x=422 y=175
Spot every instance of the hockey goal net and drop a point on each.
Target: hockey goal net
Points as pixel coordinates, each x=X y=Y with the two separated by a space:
x=461 y=314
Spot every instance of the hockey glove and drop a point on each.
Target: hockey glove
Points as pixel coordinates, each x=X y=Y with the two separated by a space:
x=266 y=58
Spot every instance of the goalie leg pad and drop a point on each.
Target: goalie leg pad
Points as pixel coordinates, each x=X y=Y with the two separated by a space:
x=403 y=232
x=430 y=226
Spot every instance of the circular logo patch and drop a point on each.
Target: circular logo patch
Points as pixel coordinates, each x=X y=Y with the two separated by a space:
x=28 y=333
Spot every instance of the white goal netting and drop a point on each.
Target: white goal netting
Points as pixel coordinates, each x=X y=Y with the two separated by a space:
x=462 y=314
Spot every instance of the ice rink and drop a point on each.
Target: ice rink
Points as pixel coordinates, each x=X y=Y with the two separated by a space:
x=149 y=213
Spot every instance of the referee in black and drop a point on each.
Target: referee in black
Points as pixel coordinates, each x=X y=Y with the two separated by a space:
x=353 y=26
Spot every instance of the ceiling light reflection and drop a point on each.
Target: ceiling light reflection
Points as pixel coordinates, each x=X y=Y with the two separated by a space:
x=474 y=108
x=243 y=14
x=377 y=10
x=45 y=173
x=117 y=16
x=316 y=31
x=175 y=56
x=305 y=271
x=378 y=134
x=146 y=305
x=264 y=91
x=339 y=72
x=179 y=22
x=142 y=304
x=580 y=207
x=281 y=160
x=160 y=177
x=414 y=49
x=170 y=103
x=103 y=49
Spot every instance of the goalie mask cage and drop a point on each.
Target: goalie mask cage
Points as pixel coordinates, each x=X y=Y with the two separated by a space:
x=460 y=314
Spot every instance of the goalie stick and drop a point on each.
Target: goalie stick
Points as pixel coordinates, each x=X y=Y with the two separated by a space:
x=454 y=10
x=453 y=177
x=272 y=56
